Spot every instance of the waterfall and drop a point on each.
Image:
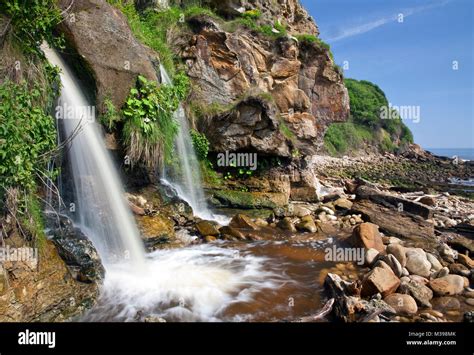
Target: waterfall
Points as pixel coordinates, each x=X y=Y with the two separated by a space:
x=100 y=208
x=187 y=182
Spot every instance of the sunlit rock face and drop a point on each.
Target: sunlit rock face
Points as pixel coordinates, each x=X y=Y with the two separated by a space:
x=275 y=96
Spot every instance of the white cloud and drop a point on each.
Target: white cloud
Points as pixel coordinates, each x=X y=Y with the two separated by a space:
x=369 y=26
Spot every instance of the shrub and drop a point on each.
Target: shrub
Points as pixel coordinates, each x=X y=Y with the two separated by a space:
x=33 y=21
x=27 y=133
x=150 y=126
x=200 y=144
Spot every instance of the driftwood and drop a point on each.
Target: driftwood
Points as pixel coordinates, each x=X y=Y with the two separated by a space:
x=323 y=312
x=348 y=306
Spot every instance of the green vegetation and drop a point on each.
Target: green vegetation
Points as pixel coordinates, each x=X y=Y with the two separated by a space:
x=150 y=126
x=27 y=132
x=287 y=133
x=365 y=127
x=111 y=115
x=200 y=144
x=33 y=21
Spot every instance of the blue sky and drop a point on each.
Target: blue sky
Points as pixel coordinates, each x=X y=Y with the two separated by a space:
x=412 y=61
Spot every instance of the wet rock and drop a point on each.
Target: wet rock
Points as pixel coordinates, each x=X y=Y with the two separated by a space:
x=136 y=210
x=250 y=200
x=78 y=252
x=446 y=303
x=402 y=303
x=367 y=235
x=260 y=222
x=379 y=280
x=307 y=224
x=398 y=251
x=242 y=221
x=421 y=293
x=234 y=232
x=286 y=224
x=417 y=264
x=210 y=238
x=447 y=285
x=206 y=228
x=469 y=301
x=154 y=319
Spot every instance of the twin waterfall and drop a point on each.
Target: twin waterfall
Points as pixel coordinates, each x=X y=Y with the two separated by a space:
x=194 y=283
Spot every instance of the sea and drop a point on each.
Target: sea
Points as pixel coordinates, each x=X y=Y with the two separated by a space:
x=461 y=153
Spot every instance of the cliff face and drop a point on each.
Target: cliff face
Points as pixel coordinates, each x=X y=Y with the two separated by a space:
x=269 y=92
x=281 y=93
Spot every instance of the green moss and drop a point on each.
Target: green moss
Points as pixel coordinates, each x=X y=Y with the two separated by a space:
x=32 y=222
x=287 y=133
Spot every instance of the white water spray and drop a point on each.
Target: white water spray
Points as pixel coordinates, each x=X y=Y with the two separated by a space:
x=101 y=210
x=189 y=184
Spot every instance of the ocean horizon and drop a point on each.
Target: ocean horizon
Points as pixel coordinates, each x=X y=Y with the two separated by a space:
x=462 y=153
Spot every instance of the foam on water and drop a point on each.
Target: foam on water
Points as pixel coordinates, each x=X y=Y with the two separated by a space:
x=189 y=284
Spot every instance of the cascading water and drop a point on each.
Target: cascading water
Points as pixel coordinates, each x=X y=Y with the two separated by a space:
x=193 y=283
x=188 y=183
x=101 y=210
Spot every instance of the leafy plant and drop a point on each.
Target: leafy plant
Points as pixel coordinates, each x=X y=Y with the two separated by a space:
x=252 y=14
x=150 y=126
x=27 y=132
x=111 y=115
x=200 y=144
x=33 y=22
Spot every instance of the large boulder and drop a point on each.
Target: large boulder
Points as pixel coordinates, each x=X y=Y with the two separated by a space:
x=100 y=34
x=379 y=280
x=447 y=285
x=367 y=235
x=402 y=304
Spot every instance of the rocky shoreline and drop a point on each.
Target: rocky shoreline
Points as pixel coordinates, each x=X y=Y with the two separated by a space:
x=416 y=243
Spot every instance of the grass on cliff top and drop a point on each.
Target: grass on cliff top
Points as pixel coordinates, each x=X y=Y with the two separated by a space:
x=365 y=127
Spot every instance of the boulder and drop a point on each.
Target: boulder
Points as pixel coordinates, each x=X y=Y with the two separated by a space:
x=307 y=224
x=234 y=232
x=379 y=280
x=243 y=222
x=370 y=256
x=403 y=304
x=435 y=264
x=395 y=265
x=399 y=252
x=286 y=224
x=458 y=269
x=367 y=235
x=447 y=285
x=400 y=224
x=100 y=34
x=417 y=264
x=343 y=203
x=206 y=228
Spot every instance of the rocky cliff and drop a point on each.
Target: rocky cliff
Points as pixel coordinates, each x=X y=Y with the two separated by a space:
x=273 y=91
